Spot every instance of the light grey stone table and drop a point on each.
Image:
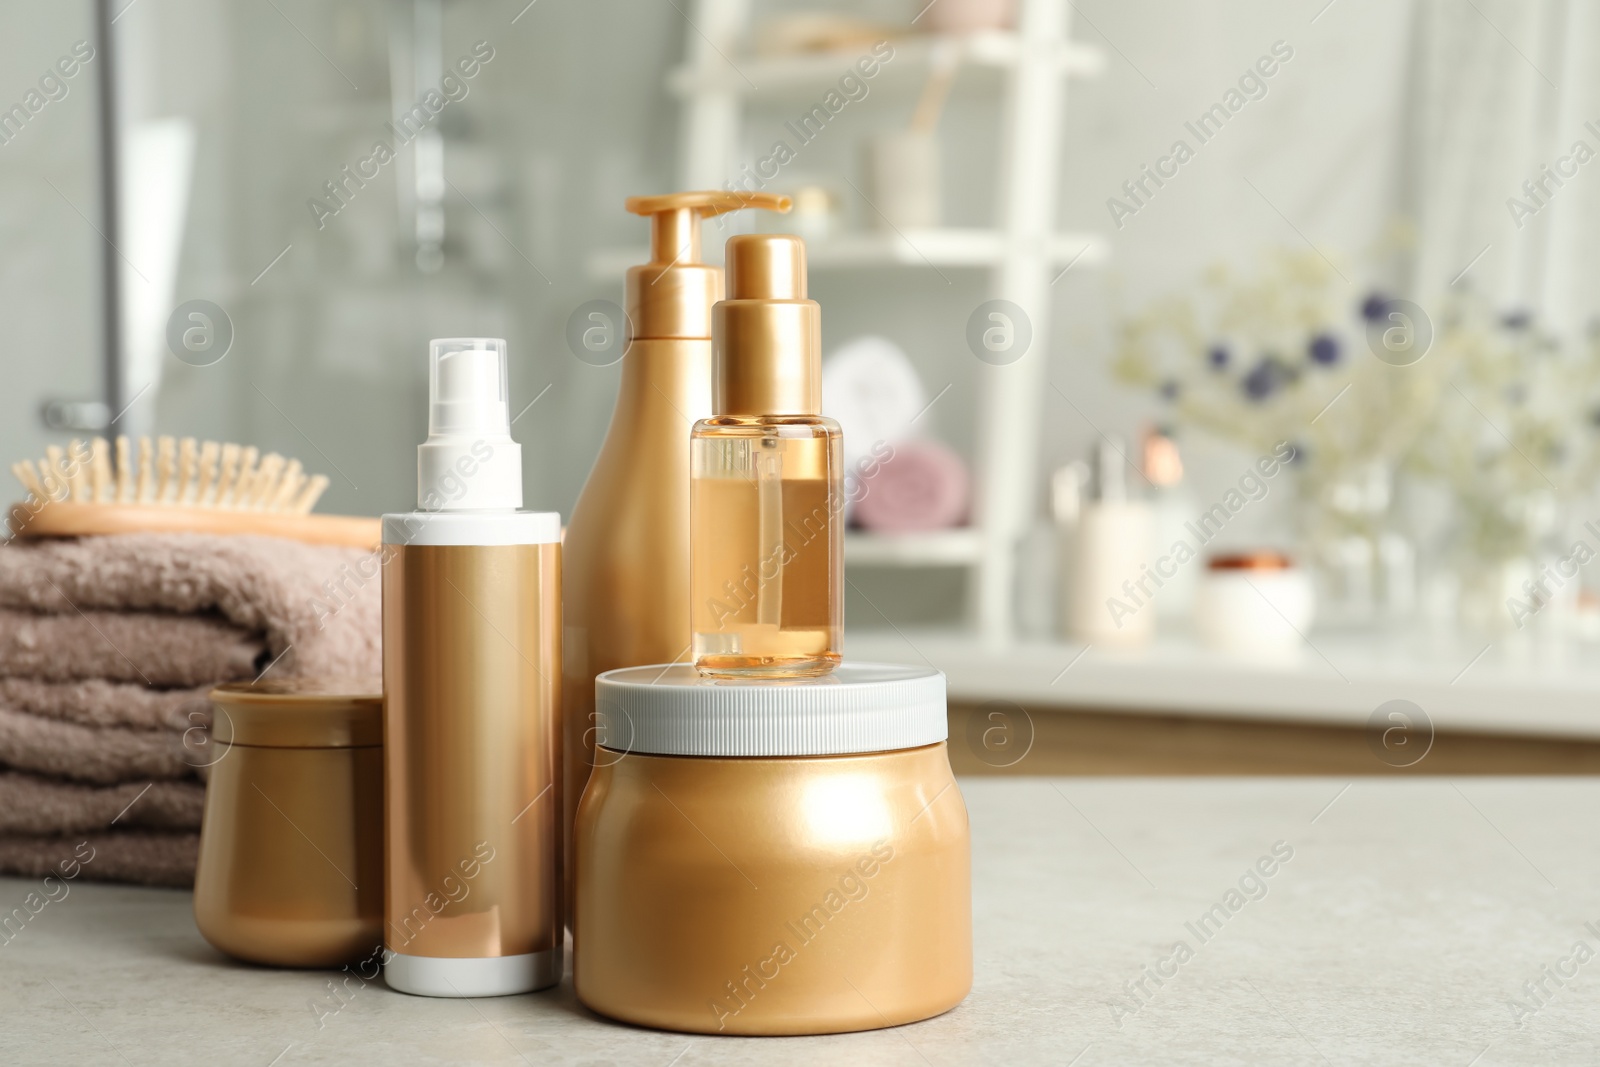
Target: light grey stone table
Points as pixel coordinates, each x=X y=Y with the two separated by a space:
x=1414 y=922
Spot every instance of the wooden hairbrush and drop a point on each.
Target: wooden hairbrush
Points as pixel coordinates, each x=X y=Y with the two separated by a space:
x=177 y=486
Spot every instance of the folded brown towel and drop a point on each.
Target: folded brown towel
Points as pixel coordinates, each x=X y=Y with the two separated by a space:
x=317 y=605
x=30 y=805
x=144 y=857
x=127 y=646
x=93 y=702
x=108 y=646
x=104 y=755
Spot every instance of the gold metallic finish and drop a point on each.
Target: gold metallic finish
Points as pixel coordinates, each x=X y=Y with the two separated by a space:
x=291 y=845
x=768 y=336
x=471 y=637
x=767 y=512
x=671 y=296
x=766 y=266
x=300 y=712
x=625 y=573
x=773 y=896
x=625 y=558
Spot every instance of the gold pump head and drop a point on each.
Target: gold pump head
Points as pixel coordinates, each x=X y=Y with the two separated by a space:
x=671 y=296
x=766 y=337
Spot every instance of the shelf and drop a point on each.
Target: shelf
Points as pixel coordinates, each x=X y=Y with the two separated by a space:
x=987 y=52
x=945 y=247
x=1017 y=82
x=958 y=547
x=1517 y=686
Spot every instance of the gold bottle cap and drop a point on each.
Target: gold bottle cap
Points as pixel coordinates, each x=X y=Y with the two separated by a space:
x=299 y=713
x=766 y=337
x=671 y=296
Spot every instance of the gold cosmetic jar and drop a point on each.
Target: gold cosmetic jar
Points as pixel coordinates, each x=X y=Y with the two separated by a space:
x=772 y=857
x=291 y=846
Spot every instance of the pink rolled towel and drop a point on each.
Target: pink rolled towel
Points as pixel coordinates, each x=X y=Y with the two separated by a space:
x=921 y=486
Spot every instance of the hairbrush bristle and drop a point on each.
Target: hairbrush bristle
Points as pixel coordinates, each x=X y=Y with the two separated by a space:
x=100 y=461
x=294 y=476
x=186 y=462
x=169 y=472
x=247 y=477
x=124 y=473
x=145 y=490
x=29 y=478
x=308 y=496
x=230 y=468
x=166 y=470
x=77 y=472
x=50 y=473
x=208 y=471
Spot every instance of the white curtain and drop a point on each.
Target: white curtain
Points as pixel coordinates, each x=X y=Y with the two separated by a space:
x=1502 y=89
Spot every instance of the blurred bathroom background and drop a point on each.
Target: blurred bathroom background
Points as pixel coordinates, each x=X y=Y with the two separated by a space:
x=1356 y=173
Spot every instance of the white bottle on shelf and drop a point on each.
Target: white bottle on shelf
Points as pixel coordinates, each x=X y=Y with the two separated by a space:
x=1107 y=589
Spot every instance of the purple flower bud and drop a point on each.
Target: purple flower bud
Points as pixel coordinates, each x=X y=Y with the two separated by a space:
x=1324 y=349
x=1262 y=380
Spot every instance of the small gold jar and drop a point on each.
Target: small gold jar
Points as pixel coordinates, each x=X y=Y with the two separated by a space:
x=291 y=846
x=772 y=857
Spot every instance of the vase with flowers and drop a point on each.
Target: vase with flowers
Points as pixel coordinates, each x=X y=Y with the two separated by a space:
x=1278 y=355
x=1515 y=439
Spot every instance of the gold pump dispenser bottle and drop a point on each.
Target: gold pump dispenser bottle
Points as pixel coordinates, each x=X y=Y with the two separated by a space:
x=625 y=559
x=767 y=503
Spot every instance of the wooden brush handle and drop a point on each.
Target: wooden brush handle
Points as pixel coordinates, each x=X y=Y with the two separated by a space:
x=65 y=518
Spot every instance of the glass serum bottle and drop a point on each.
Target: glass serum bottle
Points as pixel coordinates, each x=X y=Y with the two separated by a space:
x=766 y=506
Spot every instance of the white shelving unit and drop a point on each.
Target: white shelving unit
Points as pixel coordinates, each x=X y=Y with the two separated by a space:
x=1022 y=253
x=945 y=248
x=961 y=547
x=991 y=53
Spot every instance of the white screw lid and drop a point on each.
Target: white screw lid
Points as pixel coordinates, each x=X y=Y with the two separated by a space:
x=671 y=710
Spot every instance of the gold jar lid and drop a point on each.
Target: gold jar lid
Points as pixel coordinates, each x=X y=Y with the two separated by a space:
x=300 y=713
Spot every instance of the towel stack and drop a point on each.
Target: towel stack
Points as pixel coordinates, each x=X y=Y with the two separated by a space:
x=108 y=646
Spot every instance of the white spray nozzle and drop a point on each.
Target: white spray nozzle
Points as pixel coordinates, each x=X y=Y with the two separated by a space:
x=468 y=387
x=469 y=461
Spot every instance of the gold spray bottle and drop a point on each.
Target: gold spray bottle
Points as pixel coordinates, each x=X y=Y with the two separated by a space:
x=625 y=566
x=472 y=723
x=767 y=510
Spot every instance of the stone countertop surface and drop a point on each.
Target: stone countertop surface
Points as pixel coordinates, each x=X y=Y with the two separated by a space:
x=1405 y=921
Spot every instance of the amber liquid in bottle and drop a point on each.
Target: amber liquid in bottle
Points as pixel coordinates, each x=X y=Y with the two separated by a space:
x=767 y=546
